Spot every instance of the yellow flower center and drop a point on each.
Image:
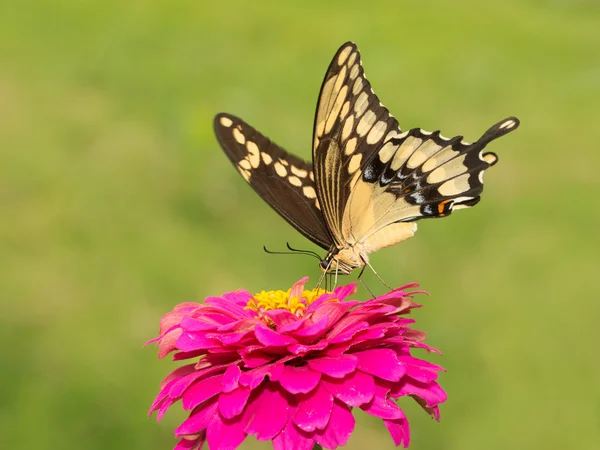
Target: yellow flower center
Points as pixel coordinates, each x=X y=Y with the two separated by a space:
x=270 y=300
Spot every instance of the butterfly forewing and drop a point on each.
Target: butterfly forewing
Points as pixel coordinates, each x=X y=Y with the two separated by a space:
x=350 y=121
x=283 y=180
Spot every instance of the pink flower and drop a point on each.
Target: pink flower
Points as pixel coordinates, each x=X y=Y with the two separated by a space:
x=289 y=367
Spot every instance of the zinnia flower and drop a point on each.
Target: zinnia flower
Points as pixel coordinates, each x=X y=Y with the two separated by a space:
x=289 y=367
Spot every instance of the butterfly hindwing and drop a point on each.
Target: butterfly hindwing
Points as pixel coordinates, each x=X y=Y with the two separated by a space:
x=283 y=180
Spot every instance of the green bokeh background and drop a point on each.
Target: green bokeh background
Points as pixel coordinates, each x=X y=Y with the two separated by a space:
x=117 y=203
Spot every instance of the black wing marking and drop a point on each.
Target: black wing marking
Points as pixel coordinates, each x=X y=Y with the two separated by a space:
x=350 y=119
x=283 y=180
x=433 y=174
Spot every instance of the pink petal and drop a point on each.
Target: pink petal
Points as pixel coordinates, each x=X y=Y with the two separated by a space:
x=291 y=438
x=381 y=406
x=229 y=306
x=332 y=311
x=380 y=362
x=345 y=330
x=337 y=367
x=338 y=429
x=253 y=378
x=272 y=338
x=399 y=431
x=231 y=378
x=281 y=317
x=355 y=389
x=314 y=410
x=191 y=341
x=198 y=420
x=298 y=288
x=201 y=391
x=225 y=434
x=195 y=443
x=255 y=356
x=268 y=413
x=299 y=380
x=432 y=393
x=312 y=329
x=300 y=349
x=420 y=370
x=231 y=404
x=168 y=342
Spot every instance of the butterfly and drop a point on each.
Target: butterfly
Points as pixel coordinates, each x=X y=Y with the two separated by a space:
x=369 y=181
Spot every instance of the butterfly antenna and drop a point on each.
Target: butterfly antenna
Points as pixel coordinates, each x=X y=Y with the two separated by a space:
x=293 y=252
x=306 y=252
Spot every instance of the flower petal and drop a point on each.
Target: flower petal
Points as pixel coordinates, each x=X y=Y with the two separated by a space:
x=201 y=391
x=199 y=420
x=291 y=438
x=337 y=367
x=268 y=413
x=231 y=404
x=399 y=431
x=195 y=443
x=355 y=389
x=299 y=380
x=272 y=338
x=314 y=410
x=281 y=317
x=311 y=329
x=381 y=406
x=225 y=434
x=380 y=362
x=254 y=377
x=300 y=349
x=431 y=393
x=231 y=378
x=420 y=370
x=339 y=428
x=298 y=288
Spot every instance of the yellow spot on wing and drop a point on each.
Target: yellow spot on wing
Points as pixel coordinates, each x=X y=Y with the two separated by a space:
x=238 y=136
x=365 y=124
x=376 y=133
x=348 y=125
x=253 y=154
x=309 y=192
x=266 y=158
x=350 y=146
x=361 y=103
x=354 y=163
x=455 y=186
x=226 y=122
x=280 y=169
x=387 y=151
x=343 y=55
x=299 y=172
x=295 y=181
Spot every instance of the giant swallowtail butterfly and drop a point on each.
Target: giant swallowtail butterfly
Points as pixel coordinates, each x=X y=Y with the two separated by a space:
x=369 y=181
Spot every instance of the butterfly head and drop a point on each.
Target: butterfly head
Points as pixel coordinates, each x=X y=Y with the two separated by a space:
x=332 y=263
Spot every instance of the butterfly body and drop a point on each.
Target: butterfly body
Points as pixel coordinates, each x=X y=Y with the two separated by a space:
x=369 y=181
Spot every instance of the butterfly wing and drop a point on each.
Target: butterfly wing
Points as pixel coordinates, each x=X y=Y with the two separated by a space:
x=283 y=180
x=372 y=178
x=418 y=175
x=350 y=125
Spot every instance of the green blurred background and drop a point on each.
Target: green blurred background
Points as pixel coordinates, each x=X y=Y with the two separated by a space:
x=117 y=203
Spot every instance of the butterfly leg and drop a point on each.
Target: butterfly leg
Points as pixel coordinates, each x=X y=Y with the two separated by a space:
x=376 y=274
x=362 y=282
